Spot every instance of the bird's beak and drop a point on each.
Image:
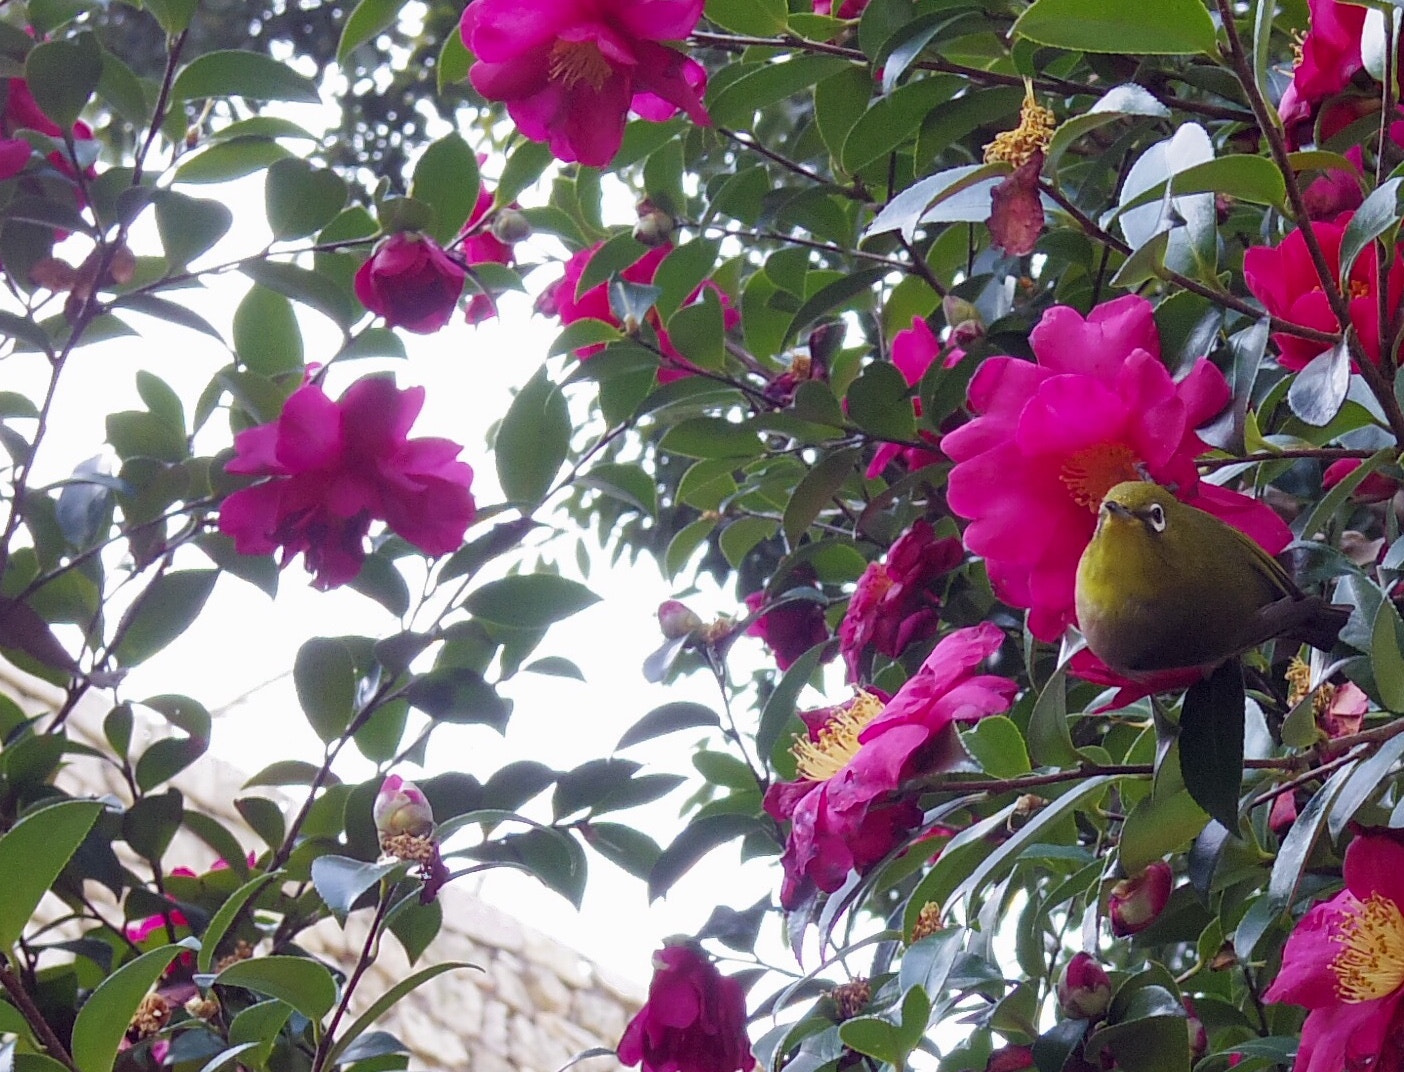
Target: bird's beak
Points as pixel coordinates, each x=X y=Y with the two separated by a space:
x=1117 y=509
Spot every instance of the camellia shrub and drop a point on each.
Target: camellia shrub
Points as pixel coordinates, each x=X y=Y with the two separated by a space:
x=908 y=286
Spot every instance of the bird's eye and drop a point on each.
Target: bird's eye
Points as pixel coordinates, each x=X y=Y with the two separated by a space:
x=1156 y=517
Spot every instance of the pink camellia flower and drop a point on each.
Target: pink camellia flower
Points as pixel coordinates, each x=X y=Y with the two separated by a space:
x=895 y=603
x=1051 y=437
x=1284 y=279
x=1136 y=902
x=411 y=282
x=569 y=71
x=401 y=808
x=332 y=467
x=561 y=299
x=482 y=244
x=1084 y=988
x=913 y=351
x=788 y=631
x=844 y=809
x=1343 y=963
x=1330 y=58
x=847 y=9
x=1375 y=488
x=693 y=1021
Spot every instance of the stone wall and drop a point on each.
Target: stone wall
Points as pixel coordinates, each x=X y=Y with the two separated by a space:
x=534 y=1005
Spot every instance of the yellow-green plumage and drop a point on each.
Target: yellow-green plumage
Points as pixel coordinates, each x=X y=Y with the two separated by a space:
x=1164 y=586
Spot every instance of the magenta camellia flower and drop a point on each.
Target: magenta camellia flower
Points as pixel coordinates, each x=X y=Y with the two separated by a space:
x=333 y=467
x=562 y=299
x=1376 y=487
x=1345 y=963
x=844 y=809
x=482 y=244
x=1329 y=59
x=693 y=1021
x=896 y=603
x=846 y=9
x=401 y=808
x=1284 y=279
x=1051 y=437
x=914 y=349
x=1084 y=988
x=411 y=282
x=1136 y=902
x=569 y=71
x=792 y=629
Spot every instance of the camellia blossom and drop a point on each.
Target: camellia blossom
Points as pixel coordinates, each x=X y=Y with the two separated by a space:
x=22 y=112
x=1284 y=279
x=914 y=349
x=411 y=282
x=847 y=9
x=895 y=603
x=1376 y=487
x=483 y=244
x=1344 y=962
x=1136 y=902
x=1051 y=437
x=844 y=810
x=561 y=299
x=789 y=630
x=569 y=71
x=1329 y=59
x=333 y=467
x=693 y=1021
x=401 y=808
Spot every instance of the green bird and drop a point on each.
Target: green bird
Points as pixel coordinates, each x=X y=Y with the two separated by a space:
x=1164 y=586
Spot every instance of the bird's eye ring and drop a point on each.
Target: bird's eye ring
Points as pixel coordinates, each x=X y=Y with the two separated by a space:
x=1156 y=517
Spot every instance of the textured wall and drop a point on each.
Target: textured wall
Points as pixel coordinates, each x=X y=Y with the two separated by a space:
x=535 y=1004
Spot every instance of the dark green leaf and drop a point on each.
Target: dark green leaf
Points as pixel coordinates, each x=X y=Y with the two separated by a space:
x=365 y=23
x=266 y=336
x=1172 y=27
x=301 y=199
x=459 y=694
x=163 y=612
x=236 y=73
x=669 y=718
x=103 y=1019
x=446 y=179
x=189 y=226
x=1211 y=742
x=529 y=600
x=340 y=880
x=33 y=853
x=63 y=74
x=533 y=440
x=302 y=983
x=224 y=919
x=325 y=674
x=698 y=838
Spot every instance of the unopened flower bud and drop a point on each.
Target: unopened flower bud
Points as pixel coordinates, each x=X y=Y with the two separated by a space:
x=1198 y=1037
x=122 y=266
x=510 y=226
x=1135 y=903
x=677 y=620
x=1084 y=990
x=655 y=227
x=400 y=808
x=1010 y=1059
x=824 y=342
x=964 y=319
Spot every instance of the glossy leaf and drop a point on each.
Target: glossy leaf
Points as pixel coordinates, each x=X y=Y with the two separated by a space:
x=32 y=853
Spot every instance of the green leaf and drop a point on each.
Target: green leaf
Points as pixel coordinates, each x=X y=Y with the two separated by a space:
x=33 y=853
x=340 y=880
x=711 y=437
x=765 y=84
x=743 y=534
x=533 y=440
x=63 y=74
x=237 y=73
x=189 y=226
x=103 y=1019
x=446 y=179
x=313 y=289
x=302 y=983
x=259 y=1024
x=893 y=120
x=671 y=717
x=173 y=15
x=1370 y=778
x=816 y=490
x=365 y=23
x=529 y=600
x=628 y=483
x=1387 y=656
x=266 y=335
x=1170 y=27
x=779 y=710
x=1319 y=391
x=461 y=695
x=997 y=745
x=301 y=199
x=697 y=839
x=880 y=402
x=1211 y=742
x=167 y=608
x=1301 y=839
x=832 y=296
x=264 y=817
x=325 y=675
x=226 y=160
x=698 y=332
x=388 y=1000
x=583 y=333
x=224 y=919
x=758 y=18
x=1380 y=212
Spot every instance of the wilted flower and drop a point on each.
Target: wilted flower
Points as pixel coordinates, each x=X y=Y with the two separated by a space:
x=844 y=810
x=1345 y=963
x=411 y=282
x=1084 y=988
x=693 y=1021
x=333 y=467
x=1136 y=902
x=1016 y=209
x=571 y=70
x=896 y=602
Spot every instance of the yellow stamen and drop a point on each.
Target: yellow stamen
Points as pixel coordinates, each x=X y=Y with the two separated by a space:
x=1093 y=471
x=818 y=761
x=1032 y=135
x=928 y=922
x=578 y=61
x=1371 y=964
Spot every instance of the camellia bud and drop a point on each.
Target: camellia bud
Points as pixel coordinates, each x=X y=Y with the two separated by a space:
x=1198 y=1037
x=676 y=620
x=400 y=808
x=1084 y=990
x=1136 y=902
x=509 y=226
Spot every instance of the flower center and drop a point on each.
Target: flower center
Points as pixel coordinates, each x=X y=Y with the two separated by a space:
x=1092 y=472
x=1371 y=964
x=1032 y=135
x=818 y=761
x=578 y=61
